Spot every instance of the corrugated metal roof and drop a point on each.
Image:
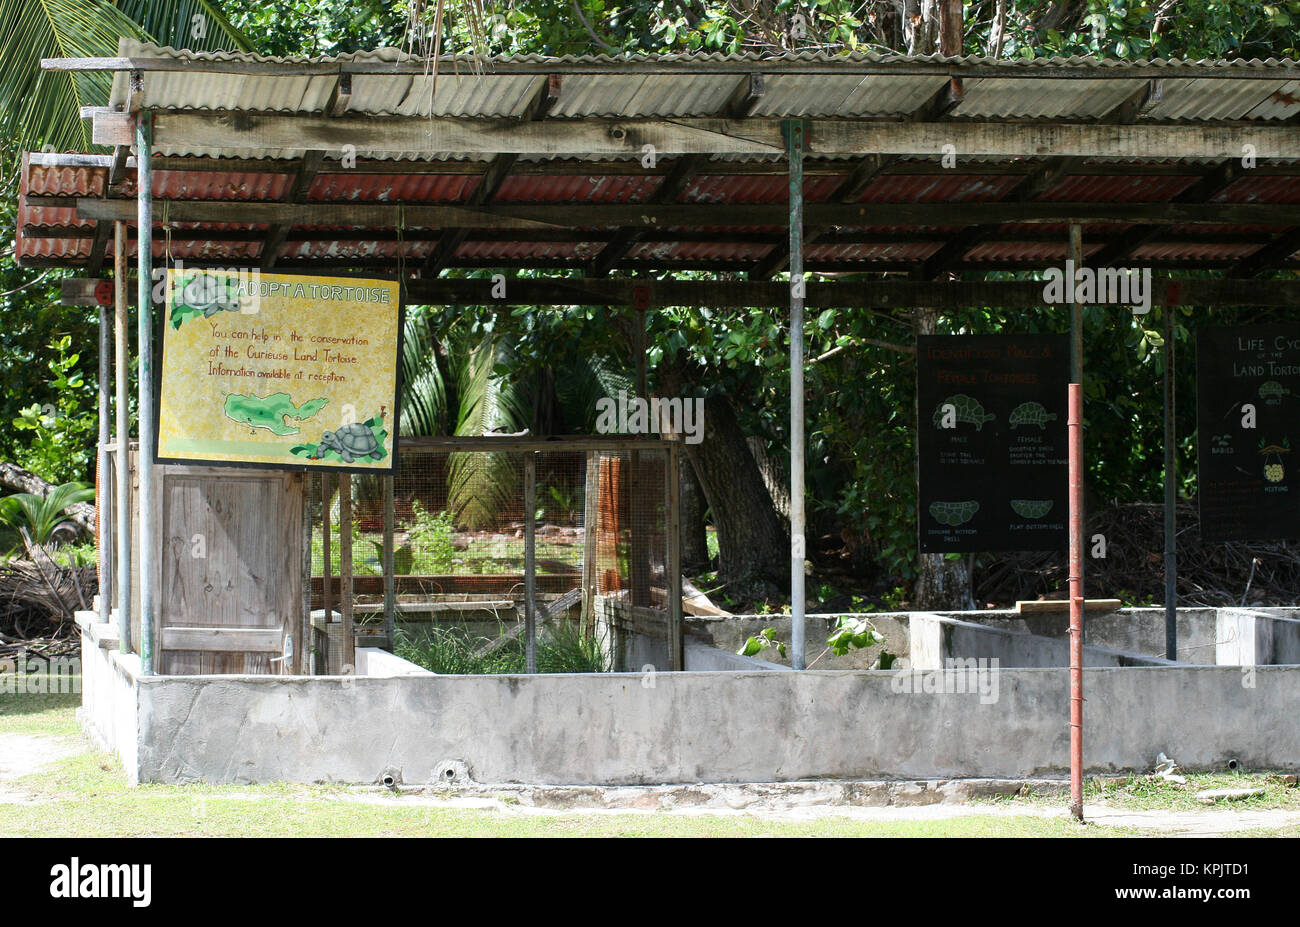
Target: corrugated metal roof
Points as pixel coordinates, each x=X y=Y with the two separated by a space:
x=808 y=84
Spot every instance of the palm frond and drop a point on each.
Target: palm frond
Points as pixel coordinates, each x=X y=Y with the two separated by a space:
x=194 y=24
x=44 y=107
x=481 y=485
x=424 y=392
x=582 y=385
x=40 y=515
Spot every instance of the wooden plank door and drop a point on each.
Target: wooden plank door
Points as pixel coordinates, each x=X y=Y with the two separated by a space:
x=230 y=570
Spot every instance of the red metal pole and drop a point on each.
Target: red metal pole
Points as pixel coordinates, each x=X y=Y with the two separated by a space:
x=1076 y=599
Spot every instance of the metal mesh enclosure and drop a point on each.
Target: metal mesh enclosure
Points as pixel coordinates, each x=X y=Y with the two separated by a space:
x=518 y=548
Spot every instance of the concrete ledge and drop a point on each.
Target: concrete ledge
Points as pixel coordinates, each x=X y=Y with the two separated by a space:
x=626 y=729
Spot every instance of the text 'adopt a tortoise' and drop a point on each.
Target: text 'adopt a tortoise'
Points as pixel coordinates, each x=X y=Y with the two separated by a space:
x=961 y=408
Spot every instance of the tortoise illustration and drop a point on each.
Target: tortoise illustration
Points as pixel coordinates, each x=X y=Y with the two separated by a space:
x=966 y=409
x=1031 y=508
x=1031 y=413
x=350 y=442
x=209 y=295
x=954 y=513
x=1271 y=389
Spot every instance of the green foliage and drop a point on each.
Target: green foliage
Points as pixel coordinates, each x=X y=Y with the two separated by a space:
x=430 y=541
x=561 y=648
x=39 y=516
x=62 y=431
x=853 y=632
x=762 y=641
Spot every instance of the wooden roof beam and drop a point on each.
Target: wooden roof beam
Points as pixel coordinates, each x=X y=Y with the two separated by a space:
x=593 y=137
x=1269 y=257
x=656 y=216
x=746 y=97
x=277 y=234
x=1210 y=185
x=679 y=177
x=449 y=242
x=852 y=187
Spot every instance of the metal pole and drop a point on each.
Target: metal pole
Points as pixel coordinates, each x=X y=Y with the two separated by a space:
x=122 y=470
x=794 y=149
x=103 y=528
x=1076 y=310
x=1076 y=599
x=1076 y=369
x=390 y=581
x=530 y=561
x=144 y=324
x=1171 y=496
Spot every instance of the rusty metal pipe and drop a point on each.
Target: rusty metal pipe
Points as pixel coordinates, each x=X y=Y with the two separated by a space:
x=1076 y=599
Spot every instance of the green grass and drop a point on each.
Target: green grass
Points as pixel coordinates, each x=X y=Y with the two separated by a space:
x=87 y=794
x=1139 y=793
x=561 y=648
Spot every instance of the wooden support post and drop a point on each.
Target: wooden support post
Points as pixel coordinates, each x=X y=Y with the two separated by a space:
x=103 y=521
x=345 y=573
x=795 y=142
x=673 y=564
x=122 y=455
x=144 y=326
x=640 y=560
x=390 y=582
x=302 y=653
x=530 y=560
x=590 y=518
x=327 y=548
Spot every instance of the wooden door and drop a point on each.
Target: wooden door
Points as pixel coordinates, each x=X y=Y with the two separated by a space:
x=229 y=570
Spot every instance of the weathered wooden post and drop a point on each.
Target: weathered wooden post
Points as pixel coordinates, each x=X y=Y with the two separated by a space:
x=794 y=130
x=530 y=561
x=144 y=328
x=122 y=470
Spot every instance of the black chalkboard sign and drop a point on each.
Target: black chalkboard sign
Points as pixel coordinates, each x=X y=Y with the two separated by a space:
x=992 y=441
x=1248 y=425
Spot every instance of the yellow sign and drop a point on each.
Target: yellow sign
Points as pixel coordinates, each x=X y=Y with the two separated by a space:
x=279 y=370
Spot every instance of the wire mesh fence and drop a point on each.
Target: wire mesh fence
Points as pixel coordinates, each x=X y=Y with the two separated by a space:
x=501 y=556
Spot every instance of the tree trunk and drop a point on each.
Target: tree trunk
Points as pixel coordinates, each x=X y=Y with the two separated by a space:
x=941 y=584
x=753 y=549
x=921 y=26
x=16 y=478
x=695 y=548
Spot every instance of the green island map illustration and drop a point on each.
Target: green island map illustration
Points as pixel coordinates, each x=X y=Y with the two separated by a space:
x=270 y=412
x=348 y=443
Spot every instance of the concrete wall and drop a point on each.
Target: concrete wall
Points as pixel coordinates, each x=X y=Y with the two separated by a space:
x=109 y=705
x=702 y=658
x=708 y=727
x=1255 y=637
x=935 y=639
x=1127 y=630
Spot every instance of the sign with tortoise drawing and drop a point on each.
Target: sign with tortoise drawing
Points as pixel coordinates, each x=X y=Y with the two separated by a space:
x=279 y=370
x=992 y=442
x=1247 y=422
